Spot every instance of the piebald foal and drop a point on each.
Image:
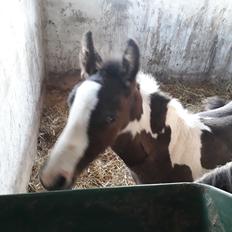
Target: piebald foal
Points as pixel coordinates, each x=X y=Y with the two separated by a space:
x=154 y=135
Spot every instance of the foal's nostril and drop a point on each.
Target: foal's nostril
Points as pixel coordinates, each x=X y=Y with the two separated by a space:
x=59 y=183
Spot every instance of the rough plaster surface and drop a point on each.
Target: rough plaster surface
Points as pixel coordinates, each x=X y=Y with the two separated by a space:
x=178 y=38
x=21 y=75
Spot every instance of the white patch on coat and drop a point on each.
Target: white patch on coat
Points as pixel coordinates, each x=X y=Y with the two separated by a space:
x=73 y=141
x=148 y=85
x=185 y=144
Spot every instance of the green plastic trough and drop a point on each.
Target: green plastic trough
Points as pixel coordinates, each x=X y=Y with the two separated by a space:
x=166 y=207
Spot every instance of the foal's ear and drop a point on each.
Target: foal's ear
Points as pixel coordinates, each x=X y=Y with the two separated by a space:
x=130 y=60
x=90 y=60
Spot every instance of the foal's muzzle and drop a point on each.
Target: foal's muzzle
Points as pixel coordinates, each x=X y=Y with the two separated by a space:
x=59 y=183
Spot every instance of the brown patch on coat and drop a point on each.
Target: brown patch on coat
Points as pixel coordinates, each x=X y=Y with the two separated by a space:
x=149 y=158
x=158 y=106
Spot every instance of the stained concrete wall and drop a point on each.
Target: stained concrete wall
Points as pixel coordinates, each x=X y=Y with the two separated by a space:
x=178 y=38
x=21 y=75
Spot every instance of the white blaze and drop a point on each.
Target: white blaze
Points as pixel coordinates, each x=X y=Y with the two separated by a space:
x=73 y=141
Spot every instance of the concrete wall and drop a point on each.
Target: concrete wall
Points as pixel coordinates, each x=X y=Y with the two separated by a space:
x=178 y=38
x=21 y=75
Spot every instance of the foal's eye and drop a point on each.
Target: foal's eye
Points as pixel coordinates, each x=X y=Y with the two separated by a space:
x=110 y=119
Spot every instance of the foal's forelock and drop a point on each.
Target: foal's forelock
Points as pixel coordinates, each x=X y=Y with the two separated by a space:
x=73 y=142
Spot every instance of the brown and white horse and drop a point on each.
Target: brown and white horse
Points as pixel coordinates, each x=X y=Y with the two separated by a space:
x=119 y=106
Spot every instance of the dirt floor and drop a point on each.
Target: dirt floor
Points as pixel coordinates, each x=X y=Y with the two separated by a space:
x=108 y=169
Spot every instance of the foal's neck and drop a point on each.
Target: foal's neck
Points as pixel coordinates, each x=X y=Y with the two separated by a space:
x=161 y=114
x=160 y=111
x=154 y=108
x=149 y=91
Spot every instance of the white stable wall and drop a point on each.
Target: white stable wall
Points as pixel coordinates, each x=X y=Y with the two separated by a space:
x=189 y=39
x=21 y=75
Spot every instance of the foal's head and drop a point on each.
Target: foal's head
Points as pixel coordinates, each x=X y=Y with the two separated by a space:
x=101 y=107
